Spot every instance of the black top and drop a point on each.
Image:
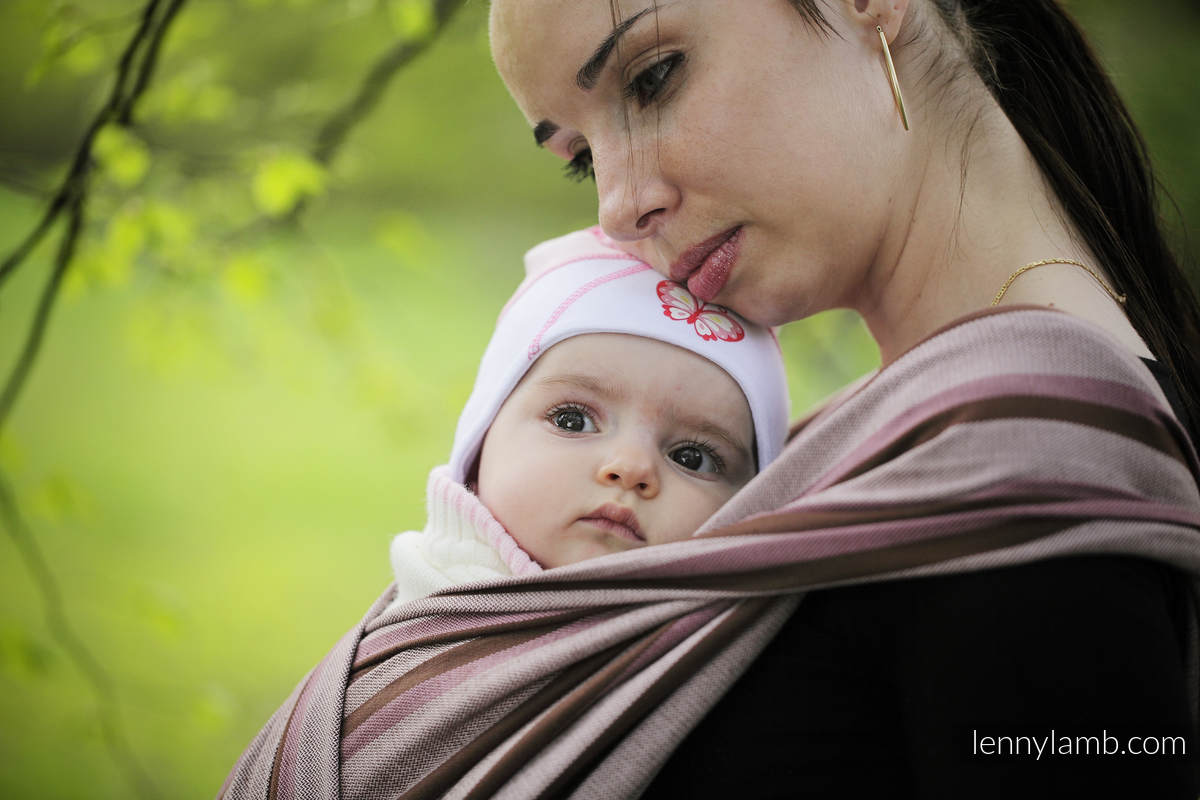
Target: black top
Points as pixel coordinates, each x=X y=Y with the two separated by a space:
x=892 y=690
x=1168 y=386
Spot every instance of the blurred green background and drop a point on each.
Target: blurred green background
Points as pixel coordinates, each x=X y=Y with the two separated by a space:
x=232 y=414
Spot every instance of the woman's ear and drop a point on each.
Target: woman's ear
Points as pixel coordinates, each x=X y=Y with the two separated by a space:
x=887 y=14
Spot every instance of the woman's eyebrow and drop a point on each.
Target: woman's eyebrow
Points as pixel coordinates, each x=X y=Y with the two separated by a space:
x=586 y=77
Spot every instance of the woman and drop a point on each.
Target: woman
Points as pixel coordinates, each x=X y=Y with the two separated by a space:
x=1007 y=513
x=758 y=152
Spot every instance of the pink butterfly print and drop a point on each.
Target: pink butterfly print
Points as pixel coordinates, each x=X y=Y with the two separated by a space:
x=711 y=322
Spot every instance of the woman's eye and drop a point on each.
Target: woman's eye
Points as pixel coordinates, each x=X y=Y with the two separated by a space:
x=648 y=84
x=697 y=457
x=572 y=420
x=580 y=167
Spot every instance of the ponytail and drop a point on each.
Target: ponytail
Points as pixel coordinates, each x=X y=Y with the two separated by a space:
x=1044 y=76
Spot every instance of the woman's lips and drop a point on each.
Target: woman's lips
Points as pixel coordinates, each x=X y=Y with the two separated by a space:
x=617 y=520
x=706 y=266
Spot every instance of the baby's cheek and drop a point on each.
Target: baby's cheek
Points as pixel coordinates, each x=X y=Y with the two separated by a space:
x=692 y=513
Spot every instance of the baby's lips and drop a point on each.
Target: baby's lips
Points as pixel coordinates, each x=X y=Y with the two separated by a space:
x=619 y=519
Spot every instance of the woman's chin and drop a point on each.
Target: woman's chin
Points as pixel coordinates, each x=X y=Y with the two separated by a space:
x=766 y=308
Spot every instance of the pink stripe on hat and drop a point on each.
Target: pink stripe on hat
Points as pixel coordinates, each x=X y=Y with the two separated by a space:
x=535 y=347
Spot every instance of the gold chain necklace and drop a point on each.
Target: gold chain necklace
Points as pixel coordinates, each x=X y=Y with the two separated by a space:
x=1120 y=298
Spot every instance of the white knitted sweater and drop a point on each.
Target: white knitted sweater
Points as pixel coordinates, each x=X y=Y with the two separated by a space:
x=462 y=543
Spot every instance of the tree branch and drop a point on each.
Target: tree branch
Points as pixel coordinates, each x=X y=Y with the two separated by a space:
x=96 y=27
x=134 y=70
x=124 y=113
x=21 y=180
x=72 y=192
x=147 y=35
x=62 y=632
x=335 y=130
x=41 y=317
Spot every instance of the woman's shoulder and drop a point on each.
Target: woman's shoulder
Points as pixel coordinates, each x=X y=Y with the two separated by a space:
x=1040 y=343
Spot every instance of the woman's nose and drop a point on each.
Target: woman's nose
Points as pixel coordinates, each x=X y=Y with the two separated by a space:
x=631 y=468
x=635 y=198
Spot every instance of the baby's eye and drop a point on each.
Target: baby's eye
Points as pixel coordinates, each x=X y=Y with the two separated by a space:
x=697 y=457
x=572 y=419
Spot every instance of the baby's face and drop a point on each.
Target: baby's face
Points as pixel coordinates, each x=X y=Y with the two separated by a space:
x=612 y=442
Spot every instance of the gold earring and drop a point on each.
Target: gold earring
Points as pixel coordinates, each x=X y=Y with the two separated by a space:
x=887 y=56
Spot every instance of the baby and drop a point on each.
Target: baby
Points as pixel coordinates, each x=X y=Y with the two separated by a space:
x=612 y=410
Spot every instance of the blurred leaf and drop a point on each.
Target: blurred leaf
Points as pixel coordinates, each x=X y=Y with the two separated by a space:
x=53 y=36
x=122 y=155
x=169 y=334
x=246 y=277
x=213 y=103
x=109 y=259
x=86 y=53
x=170 y=233
x=126 y=235
x=12 y=457
x=406 y=237
x=96 y=265
x=333 y=315
x=23 y=655
x=196 y=93
x=201 y=19
x=379 y=382
x=214 y=708
x=412 y=19
x=161 y=609
x=285 y=179
x=65 y=41
x=295 y=98
x=58 y=499
x=75 y=282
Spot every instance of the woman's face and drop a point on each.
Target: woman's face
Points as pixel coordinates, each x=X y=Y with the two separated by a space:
x=735 y=147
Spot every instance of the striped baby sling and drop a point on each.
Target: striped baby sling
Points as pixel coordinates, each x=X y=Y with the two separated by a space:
x=1007 y=437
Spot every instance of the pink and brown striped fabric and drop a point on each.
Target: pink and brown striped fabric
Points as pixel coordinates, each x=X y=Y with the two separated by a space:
x=1010 y=436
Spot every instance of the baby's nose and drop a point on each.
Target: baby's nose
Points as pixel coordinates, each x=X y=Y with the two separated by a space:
x=632 y=469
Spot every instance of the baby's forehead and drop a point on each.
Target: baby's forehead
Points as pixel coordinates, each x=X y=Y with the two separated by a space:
x=619 y=353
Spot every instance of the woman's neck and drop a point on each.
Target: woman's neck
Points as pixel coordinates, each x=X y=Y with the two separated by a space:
x=967 y=226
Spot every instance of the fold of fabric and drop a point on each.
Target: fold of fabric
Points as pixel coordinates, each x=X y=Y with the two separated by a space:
x=461 y=543
x=1010 y=436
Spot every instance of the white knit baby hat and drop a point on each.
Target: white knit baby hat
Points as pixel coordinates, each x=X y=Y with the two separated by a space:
x=580 y=283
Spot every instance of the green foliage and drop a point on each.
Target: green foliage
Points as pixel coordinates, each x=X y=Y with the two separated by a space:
x=284 y=179
x=67 y=43
x=24 y=655
x=122 y=155
x=194 y=94
x=11 y=456
x=246 y=277
x=405 y=237
x=412 y=19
